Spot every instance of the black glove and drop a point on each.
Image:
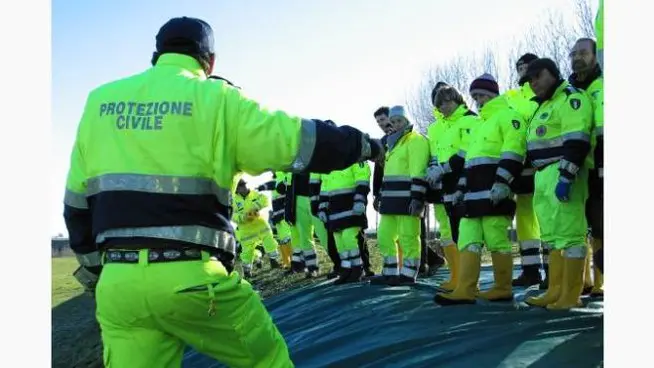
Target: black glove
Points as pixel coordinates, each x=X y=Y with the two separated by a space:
x=281 y=188
x=261 y=188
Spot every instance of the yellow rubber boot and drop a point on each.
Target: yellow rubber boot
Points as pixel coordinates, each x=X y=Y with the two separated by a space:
x=556 y=277
x=502 y=289
x=285 y=250
x=466 y=289
x=598 y=280
x=451 y=253
x=572 y=285
x=588 y=278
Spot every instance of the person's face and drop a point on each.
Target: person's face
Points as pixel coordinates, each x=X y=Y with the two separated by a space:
x=398 y=123
x=522 y=69
x=447 y=108
x=433 y=102
x=481 y=99
x=542 y=82
x=582 y=58
x=384 y=123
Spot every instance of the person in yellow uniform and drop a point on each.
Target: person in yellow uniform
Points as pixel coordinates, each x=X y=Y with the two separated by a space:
x=342 y=208
x=402 y=201
x=493 y=159
x=527 y=228
x=252 y=229
x=448 y=143
x=281 y=229
x=587 y=76
x=147 y=204
x=558 y=146
x=298 y=215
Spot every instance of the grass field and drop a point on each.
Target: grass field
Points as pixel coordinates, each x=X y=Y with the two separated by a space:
x=75 y=333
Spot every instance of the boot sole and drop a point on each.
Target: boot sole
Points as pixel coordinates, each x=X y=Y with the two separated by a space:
x=504 y=299
x=447 y=302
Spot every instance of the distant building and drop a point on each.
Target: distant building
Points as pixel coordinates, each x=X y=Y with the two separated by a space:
x=59 y=246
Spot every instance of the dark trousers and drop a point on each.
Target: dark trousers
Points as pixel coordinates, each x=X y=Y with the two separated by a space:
x=595 y=214
x=428 y=256
x=455 y=219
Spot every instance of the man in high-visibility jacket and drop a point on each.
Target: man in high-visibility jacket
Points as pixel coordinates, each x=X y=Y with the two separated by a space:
x=402 y=201
x=252 y=230
x=599 y=33
x=494 y=157
x=528 y=231
x=430 y=260
x=558 y=146
x=281 y=228
x=342 y=208
x=147 y=204
x=448 y=143
x=588 y=77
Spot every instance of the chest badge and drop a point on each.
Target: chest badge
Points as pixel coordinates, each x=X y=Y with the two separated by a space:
x=541 y=130
x=543 y=116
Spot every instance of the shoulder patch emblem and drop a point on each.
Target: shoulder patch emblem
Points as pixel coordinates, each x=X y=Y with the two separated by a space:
x=516 y=124
x=575 y=103
x=541 y=130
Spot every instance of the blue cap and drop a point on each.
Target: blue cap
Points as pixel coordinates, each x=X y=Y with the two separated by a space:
x=185 y=35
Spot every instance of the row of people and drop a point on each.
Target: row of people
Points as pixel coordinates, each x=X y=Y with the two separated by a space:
x=534 y=152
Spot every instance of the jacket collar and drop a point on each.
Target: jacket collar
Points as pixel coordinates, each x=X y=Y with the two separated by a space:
x=395 y=137
x=183 y=62
x=590 y=78
x=492 y=106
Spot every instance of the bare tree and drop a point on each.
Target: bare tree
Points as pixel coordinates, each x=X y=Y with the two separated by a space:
x=552 y=37
x=586 y=18
x=455 y=73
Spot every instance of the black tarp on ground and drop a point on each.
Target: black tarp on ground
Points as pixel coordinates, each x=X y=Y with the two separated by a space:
x=371 y=326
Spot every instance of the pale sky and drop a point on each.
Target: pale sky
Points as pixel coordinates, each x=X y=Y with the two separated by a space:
x=327 y=59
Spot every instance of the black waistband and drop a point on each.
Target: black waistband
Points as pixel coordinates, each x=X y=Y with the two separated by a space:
x=113 y=255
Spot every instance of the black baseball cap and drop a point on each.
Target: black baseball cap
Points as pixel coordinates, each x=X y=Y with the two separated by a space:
x=543 y=63
x=185 y=35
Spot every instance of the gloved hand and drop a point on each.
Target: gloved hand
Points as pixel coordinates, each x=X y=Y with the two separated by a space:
x=359 y=208
x=499 y=192
x=261 y=188
x=281 y=188
x=457 y=197
x=375 y=203
x=377 y=150
x=322 y=216
x=416 y=207
x=88 y=277
x=434 y=175
x=562 y=190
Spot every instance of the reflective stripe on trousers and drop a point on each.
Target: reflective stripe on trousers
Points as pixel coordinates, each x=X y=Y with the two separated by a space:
x=390 y=266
